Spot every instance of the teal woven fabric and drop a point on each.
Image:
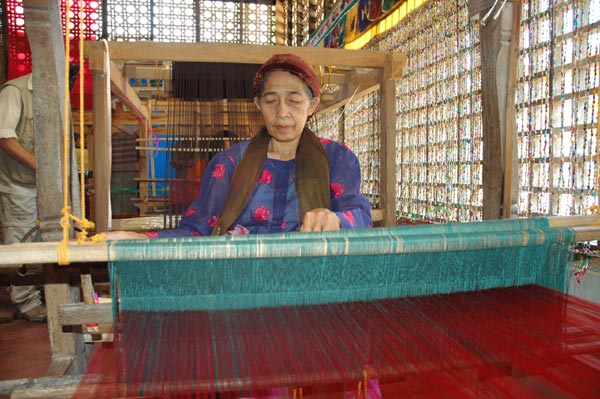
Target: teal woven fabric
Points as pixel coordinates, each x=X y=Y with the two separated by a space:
x=213 y=273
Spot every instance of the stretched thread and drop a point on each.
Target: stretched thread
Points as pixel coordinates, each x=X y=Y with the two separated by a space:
x=526 y=341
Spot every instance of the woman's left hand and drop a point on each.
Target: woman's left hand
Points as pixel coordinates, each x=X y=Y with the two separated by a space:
x=320 y=219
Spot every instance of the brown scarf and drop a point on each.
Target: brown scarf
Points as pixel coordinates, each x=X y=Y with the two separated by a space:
x=312 y=177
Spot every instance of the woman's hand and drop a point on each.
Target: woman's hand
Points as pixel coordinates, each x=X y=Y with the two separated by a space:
x=320 y=219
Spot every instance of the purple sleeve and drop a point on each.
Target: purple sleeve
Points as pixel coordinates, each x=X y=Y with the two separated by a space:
x=202 y=214
x=353 y=209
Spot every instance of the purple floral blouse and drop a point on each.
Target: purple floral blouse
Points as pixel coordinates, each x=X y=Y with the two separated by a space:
x=273 y=205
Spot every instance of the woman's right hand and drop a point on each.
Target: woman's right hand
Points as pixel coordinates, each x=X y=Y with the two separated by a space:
x=320 y=219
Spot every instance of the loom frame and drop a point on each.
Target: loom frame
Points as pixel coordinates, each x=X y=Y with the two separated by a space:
x=108 y=81
x=387 y=67
x=71 y=315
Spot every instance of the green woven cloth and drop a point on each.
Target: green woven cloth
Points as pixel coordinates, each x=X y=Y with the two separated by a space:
x=214 y=273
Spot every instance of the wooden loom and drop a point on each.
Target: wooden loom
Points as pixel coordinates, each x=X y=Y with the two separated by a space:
x=108 y=81
x=360 y=249
x=384 y=68
x=386 y=65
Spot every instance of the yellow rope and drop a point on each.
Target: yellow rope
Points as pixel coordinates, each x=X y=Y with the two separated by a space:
x=81 y=113
x=67 y=216
x=64 y=221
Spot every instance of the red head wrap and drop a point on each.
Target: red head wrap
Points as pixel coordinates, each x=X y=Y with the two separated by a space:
x=288 y=63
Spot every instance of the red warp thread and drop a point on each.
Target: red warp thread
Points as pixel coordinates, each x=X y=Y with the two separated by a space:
x=517 y=342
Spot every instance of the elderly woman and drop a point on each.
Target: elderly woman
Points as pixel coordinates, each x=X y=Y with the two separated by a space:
x=285 y=178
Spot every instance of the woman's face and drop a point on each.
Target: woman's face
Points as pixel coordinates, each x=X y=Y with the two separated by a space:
x=285 y=104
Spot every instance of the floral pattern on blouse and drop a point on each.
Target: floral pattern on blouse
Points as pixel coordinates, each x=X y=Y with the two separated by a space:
x=219 y=171
x=266 y=177
x=337 y=189
x=273 y=204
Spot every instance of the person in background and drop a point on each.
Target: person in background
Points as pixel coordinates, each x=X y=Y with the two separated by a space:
x=284 y=179
x=18 y=193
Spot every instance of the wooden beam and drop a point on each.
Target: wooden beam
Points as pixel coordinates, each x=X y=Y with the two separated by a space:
x=587 y=228
x=377 y=215
x=59 y=366
x=574 y=221
x=345 y=101
x=58 y=291
x=142 y=223
x=46 y=252
x=80 y=313
x=158 y=222
x=233 y=53
x=362 y=81
x=62 y=387
x=121 y=88
x=126 y=119
x=395 y=63
x=20 y=388
x=101 y=158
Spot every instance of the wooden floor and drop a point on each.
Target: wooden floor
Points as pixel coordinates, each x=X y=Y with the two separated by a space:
x=24 y=346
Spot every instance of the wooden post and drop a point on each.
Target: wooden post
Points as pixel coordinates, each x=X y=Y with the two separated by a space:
x=48 y=58
x=44 y=31
x=142 y=169
x=495 y=41
x=387 y=126
x=102 y=145
x=511 y=172
x=91 y=195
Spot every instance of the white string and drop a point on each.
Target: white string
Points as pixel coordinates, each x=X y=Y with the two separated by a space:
x=500 y=10
x=487 y=15
x=108 y=99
